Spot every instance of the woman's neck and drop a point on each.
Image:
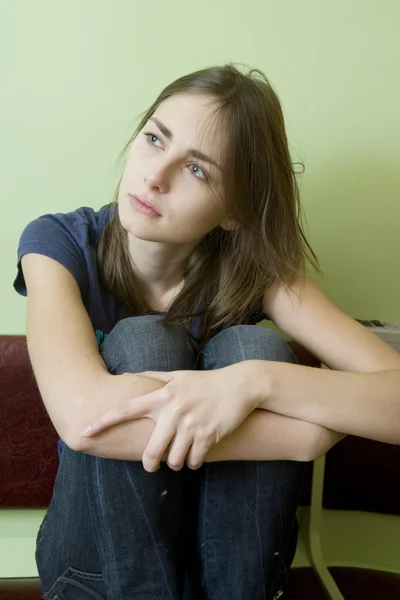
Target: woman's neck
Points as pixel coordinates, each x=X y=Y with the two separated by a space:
x=159 y=270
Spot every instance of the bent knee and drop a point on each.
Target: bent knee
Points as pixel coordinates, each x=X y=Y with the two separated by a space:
x=247 y=342
x=138 y=344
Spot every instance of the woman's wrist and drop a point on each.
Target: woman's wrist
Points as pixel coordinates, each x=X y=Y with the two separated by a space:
x=256 y=382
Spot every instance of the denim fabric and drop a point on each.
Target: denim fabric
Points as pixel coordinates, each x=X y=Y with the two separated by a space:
x=225 y=531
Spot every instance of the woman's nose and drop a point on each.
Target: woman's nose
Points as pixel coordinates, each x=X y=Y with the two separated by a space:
x=158 y=178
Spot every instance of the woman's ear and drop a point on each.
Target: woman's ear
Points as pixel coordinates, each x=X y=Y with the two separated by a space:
x=230 y=224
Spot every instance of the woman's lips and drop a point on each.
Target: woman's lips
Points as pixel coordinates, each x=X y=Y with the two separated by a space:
x=143 y=208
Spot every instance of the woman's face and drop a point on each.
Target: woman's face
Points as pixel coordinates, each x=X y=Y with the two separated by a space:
x=173 y=165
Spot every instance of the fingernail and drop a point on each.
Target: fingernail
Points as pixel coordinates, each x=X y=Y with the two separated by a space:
x=87 y=430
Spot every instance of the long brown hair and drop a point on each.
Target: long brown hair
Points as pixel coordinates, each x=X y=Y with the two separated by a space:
x=229 y=271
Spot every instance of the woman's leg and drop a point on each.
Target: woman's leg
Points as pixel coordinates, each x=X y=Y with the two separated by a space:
x=247 y=528
x=121 y=529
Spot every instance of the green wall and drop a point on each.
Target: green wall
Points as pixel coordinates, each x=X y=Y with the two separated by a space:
x=74 y=76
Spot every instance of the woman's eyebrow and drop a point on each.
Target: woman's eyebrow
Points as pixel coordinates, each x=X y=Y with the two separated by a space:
x=193 y=152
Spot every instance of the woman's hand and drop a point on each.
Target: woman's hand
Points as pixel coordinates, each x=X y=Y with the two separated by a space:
x=192 y=412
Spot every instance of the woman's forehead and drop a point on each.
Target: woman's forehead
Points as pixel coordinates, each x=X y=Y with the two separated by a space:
x=191 y=119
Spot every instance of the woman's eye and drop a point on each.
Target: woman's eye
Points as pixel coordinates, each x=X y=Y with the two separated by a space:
x=151 y=138
x=199 y=170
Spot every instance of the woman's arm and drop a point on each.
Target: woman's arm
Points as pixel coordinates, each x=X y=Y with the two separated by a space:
x=360 y=395
x=73 y=380
x=262 y=436
x=268 y=436
x=363 y=404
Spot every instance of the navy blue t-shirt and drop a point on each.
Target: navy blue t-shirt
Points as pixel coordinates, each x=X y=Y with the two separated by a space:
x=72 y=240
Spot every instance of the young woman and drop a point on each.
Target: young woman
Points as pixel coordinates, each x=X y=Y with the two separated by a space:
x=140 y=325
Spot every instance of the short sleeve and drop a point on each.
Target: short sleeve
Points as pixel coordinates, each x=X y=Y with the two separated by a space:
x=57 y=236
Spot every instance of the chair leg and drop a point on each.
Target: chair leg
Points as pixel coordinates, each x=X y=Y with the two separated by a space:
x=314 y=533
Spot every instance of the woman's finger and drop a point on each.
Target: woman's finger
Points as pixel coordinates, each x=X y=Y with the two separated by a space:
x=178 y=449
x=163 y=433
x=136 y=408
x=197 y=454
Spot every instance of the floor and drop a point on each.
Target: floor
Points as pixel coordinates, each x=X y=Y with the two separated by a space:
x=354 y=584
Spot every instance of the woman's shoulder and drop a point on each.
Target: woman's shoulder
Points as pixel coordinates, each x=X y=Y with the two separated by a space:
x=87 y=214
x=81 y=226
x=85 y=218
x=69 y=238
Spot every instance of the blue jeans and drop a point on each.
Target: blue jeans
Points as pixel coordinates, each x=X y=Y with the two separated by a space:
x=225 y=531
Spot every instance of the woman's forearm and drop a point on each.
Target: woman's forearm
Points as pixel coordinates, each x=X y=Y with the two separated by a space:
x=362 y=404
x=262 y=436
x=269 y=436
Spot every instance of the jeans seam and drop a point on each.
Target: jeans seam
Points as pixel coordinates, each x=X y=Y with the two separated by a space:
x=206 y=353
x=97 y=463
x=150 y=530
